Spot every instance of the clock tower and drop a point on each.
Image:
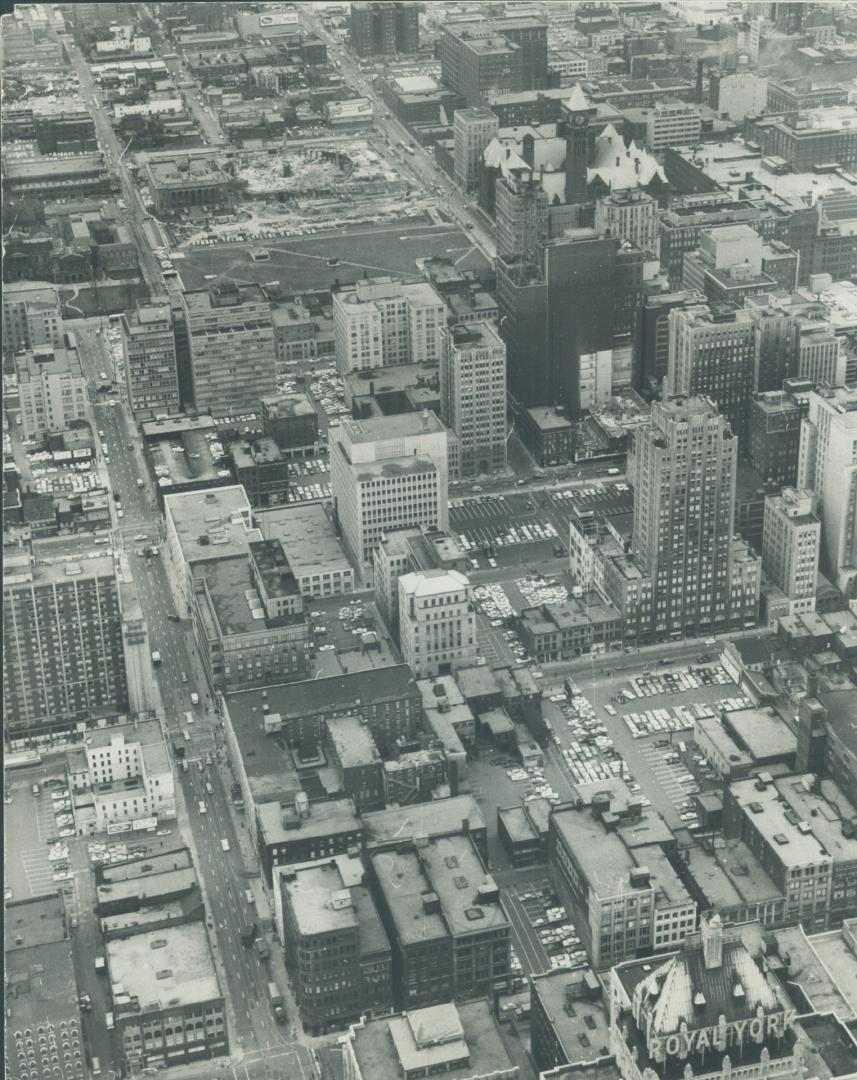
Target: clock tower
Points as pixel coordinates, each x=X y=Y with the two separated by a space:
x=579 y=140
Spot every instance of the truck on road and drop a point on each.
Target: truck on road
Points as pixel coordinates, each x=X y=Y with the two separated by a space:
x=248 y=932
x=274 y=994
x=261 y=947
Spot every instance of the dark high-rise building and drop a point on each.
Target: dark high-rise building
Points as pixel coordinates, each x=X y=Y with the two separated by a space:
x=495 y=56
x=712 y=352
x=653 y=357
x=63 y=654
x=570 y=319
x=775 y=420
x=381 y=27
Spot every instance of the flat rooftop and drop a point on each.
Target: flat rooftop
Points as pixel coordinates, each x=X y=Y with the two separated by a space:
x=279 y=825
x=178 y=973
x=20 y=570
x=735 y=165
x=400 y=426
x=807 y=969
x=556 y=989
x=764 y=733
x=211 y=523
x=228 y=582
x=450 y=868
x=352 y=741
x=601 y=855
x=383 y=1046
x=307 y=536
x=436 y=818
x=803 y=826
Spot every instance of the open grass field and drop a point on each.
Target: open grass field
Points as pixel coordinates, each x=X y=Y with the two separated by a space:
x=301 y=262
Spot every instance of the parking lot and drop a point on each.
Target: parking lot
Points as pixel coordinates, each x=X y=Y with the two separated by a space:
x=30 y=822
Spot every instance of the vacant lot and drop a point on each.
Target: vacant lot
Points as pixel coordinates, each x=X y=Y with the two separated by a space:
x=302 y=262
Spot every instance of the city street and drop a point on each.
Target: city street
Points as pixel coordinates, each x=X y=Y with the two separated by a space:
x=221 y=873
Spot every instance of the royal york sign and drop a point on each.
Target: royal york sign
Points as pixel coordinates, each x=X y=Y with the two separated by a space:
x=757 y=1029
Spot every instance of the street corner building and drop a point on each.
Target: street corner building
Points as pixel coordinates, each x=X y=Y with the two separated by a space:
x=710 y=1010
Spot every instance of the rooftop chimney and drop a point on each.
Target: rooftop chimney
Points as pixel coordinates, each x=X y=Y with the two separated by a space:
x=711 y=932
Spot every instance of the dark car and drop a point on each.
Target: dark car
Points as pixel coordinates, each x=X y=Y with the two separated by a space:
x=173 y=618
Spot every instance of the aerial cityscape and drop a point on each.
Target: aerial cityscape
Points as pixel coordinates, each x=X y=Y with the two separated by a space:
x=430 y=539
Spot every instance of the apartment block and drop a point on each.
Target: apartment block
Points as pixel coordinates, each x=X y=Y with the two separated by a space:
x=791 y=541
x=385 y=473
x=232 y=352
x=671 y=122
x=384 y=320
x=827 y=465
x=63 y=653
x=437 y=622
x=473 y=396
x=52 y=390
x=449 y=934
x=337 y=950
x=149 y=347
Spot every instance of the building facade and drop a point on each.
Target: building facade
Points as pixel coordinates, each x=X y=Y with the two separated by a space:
x=149 y=347
x=473 y=396
x=791 y=540
x=63 y=656
x=384 y=320
x=472 y=130
x=386 y=473
x=437 y=622
x=52 y=390
x=828 y=466
x=232 y=352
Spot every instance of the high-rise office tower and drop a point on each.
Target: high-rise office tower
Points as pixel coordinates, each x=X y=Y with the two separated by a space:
x=775 y=422
x=828 y=466
x=63 y=656
x=473 y=395
x=653 y=360
x=380 y=27
x=712 y=353
x=482 y=57
x=232 y=350
x=385 y=473
x=149 y=346
x=521 y=218
x=791 y=538
x=384 y=320
x=472 y=130
x=684 y=497
x=567 y=320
